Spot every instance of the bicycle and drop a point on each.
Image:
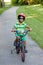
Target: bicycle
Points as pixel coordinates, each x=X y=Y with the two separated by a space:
x=20 y=44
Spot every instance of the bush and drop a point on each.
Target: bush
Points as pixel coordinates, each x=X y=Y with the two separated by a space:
x=13 y=2
x=37 y=1
x=26 y=2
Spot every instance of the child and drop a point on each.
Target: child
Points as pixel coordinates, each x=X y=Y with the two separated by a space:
x=21 y=25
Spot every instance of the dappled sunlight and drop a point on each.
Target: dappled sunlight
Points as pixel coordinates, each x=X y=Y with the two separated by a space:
x=32 y=16
x=41 y=9
x=33 y=5
x=37 y=5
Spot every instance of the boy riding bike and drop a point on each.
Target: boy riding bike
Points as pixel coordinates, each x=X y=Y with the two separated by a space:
x=21 y=25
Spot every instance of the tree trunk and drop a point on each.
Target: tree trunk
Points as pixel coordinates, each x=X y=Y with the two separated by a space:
x=2 y=2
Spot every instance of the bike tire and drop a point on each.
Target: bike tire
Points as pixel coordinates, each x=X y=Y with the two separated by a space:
x=23 y=55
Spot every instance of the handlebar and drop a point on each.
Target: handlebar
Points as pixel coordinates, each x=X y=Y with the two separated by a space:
x=24 y=33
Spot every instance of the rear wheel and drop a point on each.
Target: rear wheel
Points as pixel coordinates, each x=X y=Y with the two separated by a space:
x=17 y=50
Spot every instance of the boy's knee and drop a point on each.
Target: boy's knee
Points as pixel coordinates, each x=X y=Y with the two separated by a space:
x=17 y=38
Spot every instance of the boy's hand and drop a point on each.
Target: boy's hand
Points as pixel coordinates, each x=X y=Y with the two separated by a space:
x=30 y=29
x=13 y=30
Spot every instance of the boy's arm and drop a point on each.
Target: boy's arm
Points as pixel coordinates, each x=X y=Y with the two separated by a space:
x=14 y=28
x=30 y=29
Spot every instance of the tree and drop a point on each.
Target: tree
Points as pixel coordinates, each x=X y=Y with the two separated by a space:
x=17 y=1
x=27 y=1
x=38 y=1
x=13 y=2
x=2 y=2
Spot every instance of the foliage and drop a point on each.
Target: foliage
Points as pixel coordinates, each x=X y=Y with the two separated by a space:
x=1 y=3
x=26 y=2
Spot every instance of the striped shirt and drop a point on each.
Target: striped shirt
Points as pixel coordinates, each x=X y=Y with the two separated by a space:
x=20 y=26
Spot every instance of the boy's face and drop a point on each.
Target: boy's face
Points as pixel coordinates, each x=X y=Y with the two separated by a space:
x=21 y=19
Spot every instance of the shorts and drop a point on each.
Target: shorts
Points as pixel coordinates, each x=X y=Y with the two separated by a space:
x=23 y=38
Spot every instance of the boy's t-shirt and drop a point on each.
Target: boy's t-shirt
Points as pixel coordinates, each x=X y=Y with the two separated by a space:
x=20 y=26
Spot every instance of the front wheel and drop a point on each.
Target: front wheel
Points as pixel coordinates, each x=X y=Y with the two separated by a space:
x=22 y=54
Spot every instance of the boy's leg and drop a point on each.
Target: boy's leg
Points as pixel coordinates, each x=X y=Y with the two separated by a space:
x=24 y=39
x=16 y=40
x=25 y=46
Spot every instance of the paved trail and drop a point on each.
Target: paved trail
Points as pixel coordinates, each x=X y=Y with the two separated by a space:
x=34 y=55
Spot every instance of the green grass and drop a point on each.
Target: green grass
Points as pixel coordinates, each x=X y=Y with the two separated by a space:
x=3 y=9
x=34 y=18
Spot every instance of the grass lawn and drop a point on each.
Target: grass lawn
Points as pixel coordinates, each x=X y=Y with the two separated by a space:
x=34 y=18
x=3 y=9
